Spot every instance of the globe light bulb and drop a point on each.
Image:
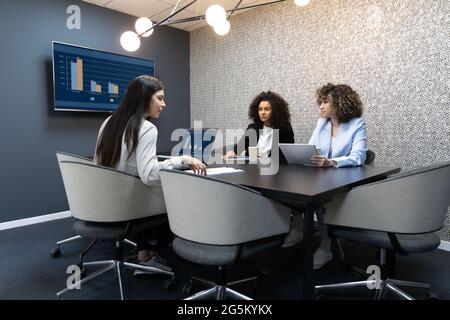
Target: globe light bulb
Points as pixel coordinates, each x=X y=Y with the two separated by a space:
x=222 y=28
x=301 y=3
x=142 y=25
x=215 y=14
x=130 y=41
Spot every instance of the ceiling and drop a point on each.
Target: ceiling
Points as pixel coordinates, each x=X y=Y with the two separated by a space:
x=157 y=10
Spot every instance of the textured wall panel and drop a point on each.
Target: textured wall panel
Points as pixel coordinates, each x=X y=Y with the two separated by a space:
x=396 y=54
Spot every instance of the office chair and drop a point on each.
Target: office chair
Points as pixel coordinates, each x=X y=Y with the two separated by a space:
x=218 y=224
x=370 y=157
x=401 y=214
x=56 y=252
x=110 y=204
x=63 y=156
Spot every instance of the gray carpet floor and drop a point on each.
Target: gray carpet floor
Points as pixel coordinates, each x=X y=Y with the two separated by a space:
x=28 y=272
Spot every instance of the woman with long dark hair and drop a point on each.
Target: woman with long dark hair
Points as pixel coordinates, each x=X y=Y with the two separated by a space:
x=127 y=139
x=127 y=142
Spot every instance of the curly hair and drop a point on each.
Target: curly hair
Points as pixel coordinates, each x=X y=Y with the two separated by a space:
x=280 y=117
x=344 y=99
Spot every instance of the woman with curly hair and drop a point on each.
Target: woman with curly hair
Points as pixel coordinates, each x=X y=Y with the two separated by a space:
x=341 y=136
x=268 y=111
x=340 y=133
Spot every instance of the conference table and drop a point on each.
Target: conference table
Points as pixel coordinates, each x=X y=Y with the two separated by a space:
x=304 y=189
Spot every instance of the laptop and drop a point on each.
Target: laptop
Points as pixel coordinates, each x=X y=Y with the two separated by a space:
x=196 y=143
x=296 y=153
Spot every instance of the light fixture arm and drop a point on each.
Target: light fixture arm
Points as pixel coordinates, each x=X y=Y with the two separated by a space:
x=202 y=17
x=168 y=17
x=176 y=6
x=235 y=7
x=256 y=5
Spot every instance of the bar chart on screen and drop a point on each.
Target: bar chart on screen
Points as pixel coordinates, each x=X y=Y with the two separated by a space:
x=93 y=80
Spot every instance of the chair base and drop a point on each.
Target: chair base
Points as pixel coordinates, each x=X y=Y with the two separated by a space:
x=115 y=265
x=384 y=286
x=56 y=251
x=220 y=292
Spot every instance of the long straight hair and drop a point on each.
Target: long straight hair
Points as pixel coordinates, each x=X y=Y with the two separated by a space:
x=128 y=118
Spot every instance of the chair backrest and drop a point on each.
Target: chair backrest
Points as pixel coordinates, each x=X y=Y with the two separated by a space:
x=414 y=201
x=64 y=156
x=101 y=194
x=210 y=211
x=370 y=157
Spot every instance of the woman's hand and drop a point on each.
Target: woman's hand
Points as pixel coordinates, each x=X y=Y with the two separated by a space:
x=321 y=161
x=229 y=154
x=196 y=165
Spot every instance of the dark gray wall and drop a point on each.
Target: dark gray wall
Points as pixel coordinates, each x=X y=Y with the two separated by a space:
x=31 y=131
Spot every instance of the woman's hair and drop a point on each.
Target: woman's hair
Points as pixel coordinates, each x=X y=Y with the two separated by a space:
x=280 y=116
x=344 y=100
x=128 y=119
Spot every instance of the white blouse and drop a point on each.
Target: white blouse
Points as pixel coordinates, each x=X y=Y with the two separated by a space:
x=143 y=162
x=265 y=142
x=332 y=147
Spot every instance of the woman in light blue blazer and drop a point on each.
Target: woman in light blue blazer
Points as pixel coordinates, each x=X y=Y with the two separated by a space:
x=341 y=136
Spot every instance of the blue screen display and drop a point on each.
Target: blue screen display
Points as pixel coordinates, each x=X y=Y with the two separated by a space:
x=199 y=143
x=93 y=80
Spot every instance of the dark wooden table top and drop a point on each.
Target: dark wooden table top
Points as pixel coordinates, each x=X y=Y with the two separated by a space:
x=304 y=184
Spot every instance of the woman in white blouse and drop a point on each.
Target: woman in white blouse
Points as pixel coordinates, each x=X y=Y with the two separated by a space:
x=127 y=142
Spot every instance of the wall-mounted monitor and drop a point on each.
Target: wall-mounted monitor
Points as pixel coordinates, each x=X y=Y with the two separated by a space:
x=86 y=79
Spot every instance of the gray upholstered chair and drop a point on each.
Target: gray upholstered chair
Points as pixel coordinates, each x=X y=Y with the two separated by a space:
x=370 y=158
x=110 y=204
x=401 y=214
x=217 y=224
x=56 y=252
x=64 y=156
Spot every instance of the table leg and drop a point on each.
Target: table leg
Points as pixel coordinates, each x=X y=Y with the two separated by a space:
x=308 y=237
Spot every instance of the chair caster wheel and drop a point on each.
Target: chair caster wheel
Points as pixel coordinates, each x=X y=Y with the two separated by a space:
x=55 y=253
x=320 y=297
x=187 y=289
x=170 y=284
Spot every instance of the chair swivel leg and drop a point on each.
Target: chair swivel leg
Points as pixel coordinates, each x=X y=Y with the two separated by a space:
x=119 y=268
x=236 y=295
x=219 y=290
x=84 y=280
x=58 y=243
x=129 y=242
x=85 y=251
x=56 y=252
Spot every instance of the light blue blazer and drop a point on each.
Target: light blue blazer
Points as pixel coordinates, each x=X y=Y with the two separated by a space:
x=351 y=138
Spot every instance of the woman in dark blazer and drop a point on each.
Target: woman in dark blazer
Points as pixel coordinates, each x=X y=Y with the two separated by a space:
x=268 y=111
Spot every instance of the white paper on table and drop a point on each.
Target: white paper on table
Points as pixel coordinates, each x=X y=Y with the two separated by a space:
x=220 y=170
x=239 y=158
